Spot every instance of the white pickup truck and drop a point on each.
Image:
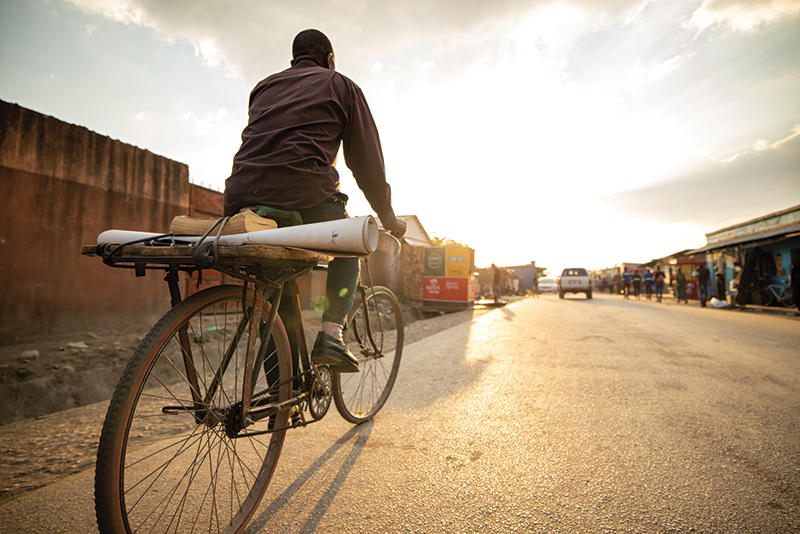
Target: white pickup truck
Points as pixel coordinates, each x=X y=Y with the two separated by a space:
x=575 y=280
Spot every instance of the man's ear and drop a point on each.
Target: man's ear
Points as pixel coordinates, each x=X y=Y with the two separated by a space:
x=331 y=61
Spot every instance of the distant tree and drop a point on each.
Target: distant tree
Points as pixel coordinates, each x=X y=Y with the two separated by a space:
x=446 y=242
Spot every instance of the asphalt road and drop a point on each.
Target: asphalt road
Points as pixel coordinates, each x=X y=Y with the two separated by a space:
x=546 y=415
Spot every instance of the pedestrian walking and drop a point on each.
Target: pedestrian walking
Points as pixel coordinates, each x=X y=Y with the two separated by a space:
x=658 y=278
x=648 y=284
x=636 y=280
x=626 y=283
x=496 y=281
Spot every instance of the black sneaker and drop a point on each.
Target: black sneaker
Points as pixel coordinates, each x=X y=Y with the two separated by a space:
x=331 y=351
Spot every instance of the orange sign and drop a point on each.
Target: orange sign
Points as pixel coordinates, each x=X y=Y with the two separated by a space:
x=446 y=289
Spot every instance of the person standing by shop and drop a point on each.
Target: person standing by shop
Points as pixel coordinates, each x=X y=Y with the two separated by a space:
x=719 y=277
x=680 y=287
x=703 y=278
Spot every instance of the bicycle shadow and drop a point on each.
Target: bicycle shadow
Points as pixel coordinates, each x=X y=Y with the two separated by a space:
x=361 y=434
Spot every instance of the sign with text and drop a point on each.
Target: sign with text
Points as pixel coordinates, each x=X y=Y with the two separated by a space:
x=459 y=261
x=446 y=289
x=435 y=261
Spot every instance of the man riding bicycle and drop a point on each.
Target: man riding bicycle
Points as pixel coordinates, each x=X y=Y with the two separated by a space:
x=284 y=169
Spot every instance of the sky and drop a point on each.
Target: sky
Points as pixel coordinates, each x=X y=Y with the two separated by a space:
x=570 y=133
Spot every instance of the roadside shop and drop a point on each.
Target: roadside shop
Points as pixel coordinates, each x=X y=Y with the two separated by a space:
x=751 y=262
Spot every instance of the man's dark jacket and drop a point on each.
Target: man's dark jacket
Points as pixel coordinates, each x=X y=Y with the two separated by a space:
x=298 y=117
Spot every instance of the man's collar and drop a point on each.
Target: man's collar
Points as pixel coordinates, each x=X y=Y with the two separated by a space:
x=304 y=60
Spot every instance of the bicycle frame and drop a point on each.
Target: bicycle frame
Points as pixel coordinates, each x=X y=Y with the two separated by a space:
x=276 y=287
x=779 y=293
x=284 y=299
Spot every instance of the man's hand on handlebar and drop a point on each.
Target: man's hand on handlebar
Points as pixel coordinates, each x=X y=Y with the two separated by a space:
x=399 y=228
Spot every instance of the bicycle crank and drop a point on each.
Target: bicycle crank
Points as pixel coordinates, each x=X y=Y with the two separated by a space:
x=321 y=393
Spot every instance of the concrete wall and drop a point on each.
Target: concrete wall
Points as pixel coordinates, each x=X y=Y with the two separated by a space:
x=60 y=186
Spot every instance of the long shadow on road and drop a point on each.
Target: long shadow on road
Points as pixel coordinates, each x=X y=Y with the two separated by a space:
x=358 y=433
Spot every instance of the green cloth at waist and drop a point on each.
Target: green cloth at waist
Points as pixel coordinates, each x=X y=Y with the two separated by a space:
x=282 y=217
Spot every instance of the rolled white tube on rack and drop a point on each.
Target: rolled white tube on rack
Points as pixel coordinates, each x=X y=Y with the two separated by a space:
x=117 y=237
x=358 y=235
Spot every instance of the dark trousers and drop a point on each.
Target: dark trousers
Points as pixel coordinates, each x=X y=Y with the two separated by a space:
x=340 y=286
x=342 y=279
x=702 y=292
x=659 y=290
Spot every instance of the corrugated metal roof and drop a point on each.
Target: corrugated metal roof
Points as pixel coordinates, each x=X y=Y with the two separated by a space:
x=760 y=236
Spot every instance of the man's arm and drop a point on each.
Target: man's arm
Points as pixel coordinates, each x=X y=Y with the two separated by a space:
x=364 y=157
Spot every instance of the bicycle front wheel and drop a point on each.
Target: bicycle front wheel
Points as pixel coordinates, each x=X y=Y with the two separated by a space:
x=173 y=456
x=375 y=337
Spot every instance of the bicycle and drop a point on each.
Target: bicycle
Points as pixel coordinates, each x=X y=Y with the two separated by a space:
x=777 y=293
x=197 y=422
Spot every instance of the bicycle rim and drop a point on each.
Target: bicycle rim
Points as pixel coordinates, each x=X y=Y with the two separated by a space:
x=165 y=462
x=359 y=396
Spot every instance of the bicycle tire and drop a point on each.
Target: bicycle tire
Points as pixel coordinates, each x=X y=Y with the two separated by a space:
x=359 y=396
x=768 y=298
x=142 y=480
x=786 y=300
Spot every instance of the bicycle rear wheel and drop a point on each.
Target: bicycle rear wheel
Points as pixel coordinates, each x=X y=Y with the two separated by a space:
x=375 y=337
x=172 y=457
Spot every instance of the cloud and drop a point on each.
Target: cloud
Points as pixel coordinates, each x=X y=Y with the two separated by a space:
x=143 y=116
x=763 y=144
x=123 y=11
x=253 y=37
x=744 y=15
x=753 y=183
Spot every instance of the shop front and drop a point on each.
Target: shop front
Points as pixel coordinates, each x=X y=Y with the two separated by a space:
x=751 y=263
x=448 y=281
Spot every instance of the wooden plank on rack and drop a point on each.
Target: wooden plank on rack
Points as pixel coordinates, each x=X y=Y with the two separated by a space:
x=258 y=252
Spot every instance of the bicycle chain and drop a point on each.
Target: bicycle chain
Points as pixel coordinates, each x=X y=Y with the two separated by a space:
x=261 y=393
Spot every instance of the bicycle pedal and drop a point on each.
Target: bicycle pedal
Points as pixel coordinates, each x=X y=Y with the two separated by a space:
x=296 y=418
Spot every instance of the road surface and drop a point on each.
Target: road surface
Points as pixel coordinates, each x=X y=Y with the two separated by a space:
x=546 y=416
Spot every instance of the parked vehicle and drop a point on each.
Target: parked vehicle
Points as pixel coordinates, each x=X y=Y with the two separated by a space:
x=547 y=285
x=575 y=280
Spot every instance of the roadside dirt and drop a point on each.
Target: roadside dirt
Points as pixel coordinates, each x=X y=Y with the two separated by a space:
x=61 y=372
x=54 y=402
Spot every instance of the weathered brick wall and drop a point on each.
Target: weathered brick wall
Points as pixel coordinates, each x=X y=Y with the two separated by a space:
x=60 y=186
